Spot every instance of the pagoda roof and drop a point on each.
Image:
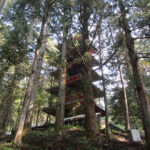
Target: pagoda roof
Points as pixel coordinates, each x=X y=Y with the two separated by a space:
x=78 y=61
x=52 y=110
x=75 y=89
x=72 y=50
x=78 y=77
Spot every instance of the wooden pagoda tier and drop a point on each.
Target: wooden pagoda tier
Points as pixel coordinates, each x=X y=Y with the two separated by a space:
x=74 y=99
x=74 y=68
x=75 y=90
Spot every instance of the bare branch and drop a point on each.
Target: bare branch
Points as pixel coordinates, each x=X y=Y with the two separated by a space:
x=143 y=57
x=108 y=59
x=79 y=54
x=52 y=2
x=93 y=37
x=145 y=37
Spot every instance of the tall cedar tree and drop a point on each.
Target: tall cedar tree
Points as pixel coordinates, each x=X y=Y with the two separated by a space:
x=91 y=128
x=36 y=80
x=101 y=5
x=62 y=85
x=23 y=113
x=144 y=102
x=127 y=117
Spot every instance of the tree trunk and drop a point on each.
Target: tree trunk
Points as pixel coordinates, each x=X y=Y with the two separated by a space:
x=90 y=123
x=36 y=81
x=18 y=114
x=62 y=85
x=38 y=115
x=23 y=113
x=145 y=105
x=125 y=98
x=134 y=88
x=102 y=72
x=8 y=101
x=105 y=97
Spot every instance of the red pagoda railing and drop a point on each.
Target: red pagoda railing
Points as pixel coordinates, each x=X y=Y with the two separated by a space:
x=74 y=78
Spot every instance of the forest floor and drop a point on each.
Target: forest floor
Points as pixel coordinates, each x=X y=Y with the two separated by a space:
x=73 y=139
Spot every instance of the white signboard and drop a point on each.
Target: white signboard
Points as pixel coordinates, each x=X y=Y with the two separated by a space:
x=135 y=135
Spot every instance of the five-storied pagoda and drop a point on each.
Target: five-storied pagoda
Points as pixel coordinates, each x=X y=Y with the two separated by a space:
x=74 y=104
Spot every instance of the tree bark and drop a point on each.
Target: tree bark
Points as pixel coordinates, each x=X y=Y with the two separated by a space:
x=38 y=115
x=144 y=102
x=62 y=85
x=134 y=88
x=35 y=86
x=101 y=4
x=23 y=113
x=90 y=123
x=105 y=96
x=127 y=126
x=18 y=114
